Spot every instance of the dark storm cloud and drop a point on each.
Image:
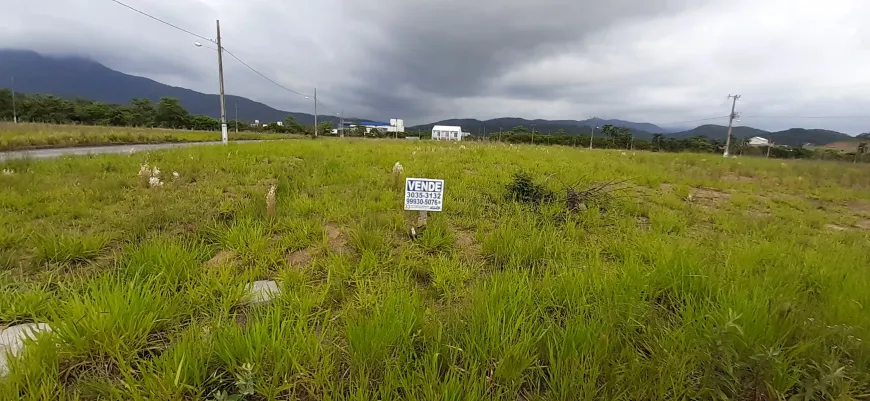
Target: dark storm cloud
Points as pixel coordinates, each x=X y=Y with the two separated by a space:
x=452 y=47
x=423 y=60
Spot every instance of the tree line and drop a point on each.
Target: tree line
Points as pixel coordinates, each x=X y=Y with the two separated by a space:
x=169 y=113
x=140 y=112
x=613 y=137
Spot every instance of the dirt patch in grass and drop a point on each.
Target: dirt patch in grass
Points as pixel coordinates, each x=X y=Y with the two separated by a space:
x=665 y=187
x=837 y=227
x=470 y=171
x=757 y=214
x=734 y=177
x=299 y=258
x=224 y=257
x=860 y=208
x=467 y=244
x=337 y=239
x=465 y=239
x=863 y=224
x=708 y=197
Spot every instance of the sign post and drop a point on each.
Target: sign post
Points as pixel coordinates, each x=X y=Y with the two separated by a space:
x=424 y=195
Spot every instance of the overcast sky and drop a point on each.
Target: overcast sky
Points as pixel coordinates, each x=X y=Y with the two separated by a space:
x=659 y=61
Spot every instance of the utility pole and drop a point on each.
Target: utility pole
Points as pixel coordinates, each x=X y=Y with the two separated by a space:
x=731 y=122
x=315 y=112
x=591 y=137
x=533 y=134
x=499 y=134
x=768 y=149
x=341 y=124
x=237 y=116
x=220 y=49
x=14 y=108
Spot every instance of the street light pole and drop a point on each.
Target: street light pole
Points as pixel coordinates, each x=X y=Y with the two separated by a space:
x=14 y=108
x=731 y=118
x=591 y=137
x=341 y=124
x=315 y=112
x=220 y=50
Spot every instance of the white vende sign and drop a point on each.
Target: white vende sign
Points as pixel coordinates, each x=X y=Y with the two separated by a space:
x=424 y=194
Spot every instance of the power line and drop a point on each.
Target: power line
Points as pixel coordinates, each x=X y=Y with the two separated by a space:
x=330 y=110
x=261 y=74
x=693 y=121
x=212 y=41
x=809 y=117
x=164 y=22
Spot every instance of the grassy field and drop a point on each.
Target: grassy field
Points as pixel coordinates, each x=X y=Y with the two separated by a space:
x=708 y=278
x=35 y=136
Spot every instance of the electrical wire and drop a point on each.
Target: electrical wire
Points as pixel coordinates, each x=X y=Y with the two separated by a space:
x=164 y=22
x=262 y=75
x=212 y=41
x=809 y=117
x=693 y=121
x=330 y=111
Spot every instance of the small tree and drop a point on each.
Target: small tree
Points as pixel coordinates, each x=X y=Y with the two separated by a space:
x=862 y=147
x=143 y=112
x=293 y=125
x=657 y=141
x=360 y=130
x=325 y=128
x=170 y=113
x=204 y=123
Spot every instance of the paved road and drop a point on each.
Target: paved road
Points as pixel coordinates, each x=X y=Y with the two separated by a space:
x=95 y=150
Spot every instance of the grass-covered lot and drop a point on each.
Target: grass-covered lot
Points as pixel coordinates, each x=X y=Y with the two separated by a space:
x=25 y=136
x=707 y=278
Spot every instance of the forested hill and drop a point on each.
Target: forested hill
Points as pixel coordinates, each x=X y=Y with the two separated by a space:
x=74 y=77
x=477 y=127
x=790 y=137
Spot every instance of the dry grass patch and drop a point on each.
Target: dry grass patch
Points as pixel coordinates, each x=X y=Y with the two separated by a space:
x=222 y=258
x=708 y=197
x=337 y=239
x=299 y=258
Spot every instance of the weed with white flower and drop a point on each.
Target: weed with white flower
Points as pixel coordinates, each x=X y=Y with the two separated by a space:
x=150 y=175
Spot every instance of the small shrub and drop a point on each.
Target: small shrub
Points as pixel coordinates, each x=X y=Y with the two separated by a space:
x=524 y=189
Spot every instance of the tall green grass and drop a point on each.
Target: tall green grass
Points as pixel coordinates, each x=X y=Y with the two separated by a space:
x=24 y=136
x=750 y=294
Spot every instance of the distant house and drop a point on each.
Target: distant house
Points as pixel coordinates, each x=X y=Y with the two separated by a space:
x=758 y=141
x=395 y=125
x=447 y=133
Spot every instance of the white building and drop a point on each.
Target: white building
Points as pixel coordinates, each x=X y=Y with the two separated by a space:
x=395 y=125
x=447 y=133
x=758 y=141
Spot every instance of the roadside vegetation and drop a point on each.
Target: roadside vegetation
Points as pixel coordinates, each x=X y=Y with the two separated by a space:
x=169 y=113
x=25 y=136
x=553 y=273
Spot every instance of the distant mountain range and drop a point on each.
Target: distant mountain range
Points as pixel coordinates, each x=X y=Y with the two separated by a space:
x=544 y=126
x=75 y=77
x=791 y=137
